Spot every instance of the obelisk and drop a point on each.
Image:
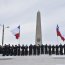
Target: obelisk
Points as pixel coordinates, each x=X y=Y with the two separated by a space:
x=38 y=39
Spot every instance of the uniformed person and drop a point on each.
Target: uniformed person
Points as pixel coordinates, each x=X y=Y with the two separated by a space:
x=57 y=50
x=0 y=49
x=34 y=49
x=30 y=49
x=64 y=48
x=15 y=50
x=23 y=50
x=42 y=49
x=53 y=49
x=4 y=50
x=8 y=50
x=26 y=50
x=49 y=49
x=12 y=50
x=46 y=49
x=18 y=50
x=38 y=49
x=61 y=49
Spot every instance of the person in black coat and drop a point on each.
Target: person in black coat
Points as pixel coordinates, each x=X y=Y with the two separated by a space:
x=42 y=49
x=64 y=48
x=23 y=50
x=8 y=50
x=18 y=49
x=57 y=50
x=30 y=49
x=49 y=49
x=12 y=50
x=61 y=49
x=15 y=50
x=0 y=49
x=4 y=50
x=38 y=49
x=34 y=49
x=26 y=50
x=46 y=49
x=53 y=49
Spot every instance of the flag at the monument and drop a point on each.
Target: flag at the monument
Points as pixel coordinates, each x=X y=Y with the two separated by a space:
x=16 y=32
x=59 y=34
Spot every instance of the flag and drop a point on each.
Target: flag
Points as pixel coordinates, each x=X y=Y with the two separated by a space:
x=59 y=34
x=62 y=38
x=16 y=32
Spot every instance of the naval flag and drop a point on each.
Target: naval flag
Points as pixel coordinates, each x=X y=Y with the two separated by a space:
x=16 y=32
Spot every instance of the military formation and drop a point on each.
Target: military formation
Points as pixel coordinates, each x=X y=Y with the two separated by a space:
x=18 y=50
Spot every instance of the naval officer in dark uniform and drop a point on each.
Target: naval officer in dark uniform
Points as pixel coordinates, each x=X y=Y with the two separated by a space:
x=53 y=49
x=23 y=50
x=61 y=49
x=57 y=49
x=34 y=50
x=30 y=49
x=49 y=49
x=42 y=49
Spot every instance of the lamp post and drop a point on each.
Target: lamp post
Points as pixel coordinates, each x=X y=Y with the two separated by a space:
x=3 y=33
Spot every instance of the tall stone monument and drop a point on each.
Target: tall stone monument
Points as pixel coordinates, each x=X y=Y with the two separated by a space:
x=38 y=39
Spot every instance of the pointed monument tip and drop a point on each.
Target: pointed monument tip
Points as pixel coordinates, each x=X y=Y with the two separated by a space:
x=38 y=11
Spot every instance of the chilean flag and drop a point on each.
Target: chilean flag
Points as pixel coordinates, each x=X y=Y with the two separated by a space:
x=59 y=33
x=16 y=32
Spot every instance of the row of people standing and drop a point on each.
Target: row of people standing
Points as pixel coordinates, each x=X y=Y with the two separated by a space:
x=19 y=50
x=49 y=49
x=32 y=50
x=57 y=49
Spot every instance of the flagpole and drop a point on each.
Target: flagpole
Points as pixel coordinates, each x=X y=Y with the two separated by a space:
x=19 y=40
x=57 y=40
x=19 y=35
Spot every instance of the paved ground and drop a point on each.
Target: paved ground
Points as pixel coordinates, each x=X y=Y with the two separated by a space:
x=32 y=60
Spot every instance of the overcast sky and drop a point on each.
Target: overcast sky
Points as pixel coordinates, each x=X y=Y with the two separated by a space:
x=23 y=13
